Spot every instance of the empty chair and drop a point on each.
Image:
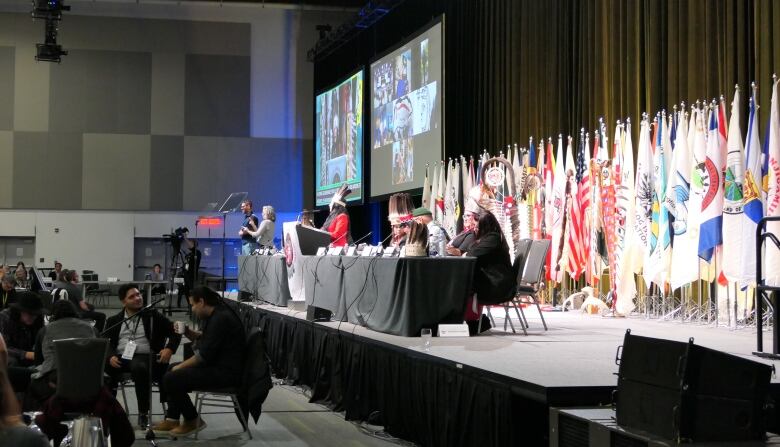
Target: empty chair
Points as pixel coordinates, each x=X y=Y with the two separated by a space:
x=532 y=279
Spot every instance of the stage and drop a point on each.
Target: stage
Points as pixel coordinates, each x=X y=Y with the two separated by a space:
x=488 y=389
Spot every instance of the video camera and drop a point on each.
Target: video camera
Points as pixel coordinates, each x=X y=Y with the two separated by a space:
x=176 y=237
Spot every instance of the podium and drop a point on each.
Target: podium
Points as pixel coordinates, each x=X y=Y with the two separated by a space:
x=310 y=239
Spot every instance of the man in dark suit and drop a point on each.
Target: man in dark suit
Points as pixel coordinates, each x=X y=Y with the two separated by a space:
x=133 y=346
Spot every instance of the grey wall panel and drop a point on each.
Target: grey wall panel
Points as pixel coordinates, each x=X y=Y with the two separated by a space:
x=166 y=173
x=32 y=80
x=116 y=172
x=6 y=168
x=7 y=88
x=217 y=96
x=102 y=92
x=268 y=169
x=47 y=167
x=167 y=94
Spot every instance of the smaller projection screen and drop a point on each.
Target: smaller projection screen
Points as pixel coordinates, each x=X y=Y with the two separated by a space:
x=406 y=113
x=338 y=146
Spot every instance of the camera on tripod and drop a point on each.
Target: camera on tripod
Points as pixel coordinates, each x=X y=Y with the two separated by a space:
x=176 y=237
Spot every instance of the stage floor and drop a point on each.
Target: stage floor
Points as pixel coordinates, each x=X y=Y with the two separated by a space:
x=577 y=353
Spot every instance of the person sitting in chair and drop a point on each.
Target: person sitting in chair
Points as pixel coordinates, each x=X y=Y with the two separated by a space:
x=8 y=292
x=217 y=363
x=69 y=281
x=133 y=346
x=19 y=325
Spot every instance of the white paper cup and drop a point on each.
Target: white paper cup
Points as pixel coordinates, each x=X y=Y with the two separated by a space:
x=180 y=327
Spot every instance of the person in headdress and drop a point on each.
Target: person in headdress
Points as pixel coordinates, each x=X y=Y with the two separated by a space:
x=437 y=237
x=462 y=242
x=337 y=223
x=416 y=242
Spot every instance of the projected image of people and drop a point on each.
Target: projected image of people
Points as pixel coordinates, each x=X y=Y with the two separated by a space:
x=339 y=138
x=403 y=70
x=402 y=119
x=383 y=83
x=403 y=161
x=424 y=62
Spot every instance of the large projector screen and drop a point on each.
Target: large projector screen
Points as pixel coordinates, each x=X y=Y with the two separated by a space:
x=338 y=146
x=406 y=113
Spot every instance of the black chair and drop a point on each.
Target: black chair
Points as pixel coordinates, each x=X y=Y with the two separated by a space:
x=255 y=359
x=521 y=255
x=531 y=280
x=80 y=364
x=99 y=294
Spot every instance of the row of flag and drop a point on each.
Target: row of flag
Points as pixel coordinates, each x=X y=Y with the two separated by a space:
x=686 y=209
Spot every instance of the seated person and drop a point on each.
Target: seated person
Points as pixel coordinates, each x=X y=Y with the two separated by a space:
x=460 y=244
x=54 y=274
x=437 y=237
x=21 y=275
x=157 y=275
x=398 y=238
x=217 y=363
x=157 y=347
x=64 y=323
x=494 y=281
x=8 y=292
x=69 y=281
x=19 y=325
x=13 y=432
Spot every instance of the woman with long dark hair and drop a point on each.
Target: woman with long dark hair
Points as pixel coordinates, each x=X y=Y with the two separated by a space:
x=494 y=281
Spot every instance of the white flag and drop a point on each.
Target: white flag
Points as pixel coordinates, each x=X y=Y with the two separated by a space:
x=644 y=200
x=625 y=203
x=733 y=199
x=685 y=261
x=558 y=202
x=771 y=268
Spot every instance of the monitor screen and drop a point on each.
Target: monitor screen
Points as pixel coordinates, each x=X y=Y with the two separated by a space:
x=406 y=113
x=338 y=142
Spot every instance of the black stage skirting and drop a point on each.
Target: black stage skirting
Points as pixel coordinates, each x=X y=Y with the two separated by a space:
x=418 y=397
x=396 y=296
x=265 y=277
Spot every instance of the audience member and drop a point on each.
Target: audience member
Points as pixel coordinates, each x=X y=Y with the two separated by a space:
x=69 y=281
x=64 y=323
x=19 y=325
x=218 y=361
x=13 y=432
x=157 y=275
x=8 y=293
x=21 y=275
x=133 y=346
x=54 y=274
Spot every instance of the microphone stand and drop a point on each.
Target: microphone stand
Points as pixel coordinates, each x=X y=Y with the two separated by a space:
x=150 y=436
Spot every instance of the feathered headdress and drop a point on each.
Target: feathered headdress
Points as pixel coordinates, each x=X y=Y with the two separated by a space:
x=400 y=208
x=417 y=240
x=338 y=197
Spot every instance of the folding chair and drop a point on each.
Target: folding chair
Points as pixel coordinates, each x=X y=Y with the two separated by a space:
x=521 y=255
x=532 y=279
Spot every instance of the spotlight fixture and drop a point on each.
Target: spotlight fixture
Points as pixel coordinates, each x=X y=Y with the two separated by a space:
x=51 y=12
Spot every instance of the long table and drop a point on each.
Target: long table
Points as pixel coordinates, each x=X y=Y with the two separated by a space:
x=265 y=277
x=396 y=296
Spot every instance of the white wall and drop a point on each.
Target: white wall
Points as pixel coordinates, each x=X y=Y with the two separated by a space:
x=104 y=241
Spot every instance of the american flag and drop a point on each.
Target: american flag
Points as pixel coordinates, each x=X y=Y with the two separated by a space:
x=577 y=250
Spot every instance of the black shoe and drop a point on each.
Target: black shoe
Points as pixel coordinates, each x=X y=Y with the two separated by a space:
x=143 y=421
x=485 y=323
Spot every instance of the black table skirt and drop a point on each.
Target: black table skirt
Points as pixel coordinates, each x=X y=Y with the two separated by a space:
x=398 y=296
x=265 y=277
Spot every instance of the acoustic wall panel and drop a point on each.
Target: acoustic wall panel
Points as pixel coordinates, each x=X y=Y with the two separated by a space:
x=167 y=173
x=6 y=168
x=217 y=95
x=47 y=170
x=31 y=92
x=167 y=94
x=6 y=88
x=116 y=172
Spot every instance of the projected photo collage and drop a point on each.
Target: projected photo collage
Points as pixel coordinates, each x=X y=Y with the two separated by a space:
x=403 y=101
x=339 y=139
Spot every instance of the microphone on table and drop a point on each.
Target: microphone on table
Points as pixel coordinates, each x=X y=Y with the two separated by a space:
x=362 y=238
x=385 y=239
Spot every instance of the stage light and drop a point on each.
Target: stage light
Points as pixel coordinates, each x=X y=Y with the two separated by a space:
x=49 y=52
x=51 y=12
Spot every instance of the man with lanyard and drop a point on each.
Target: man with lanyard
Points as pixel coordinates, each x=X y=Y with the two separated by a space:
x=251 y=222
x=133 y=347
x=8 y=292
x=218 y=362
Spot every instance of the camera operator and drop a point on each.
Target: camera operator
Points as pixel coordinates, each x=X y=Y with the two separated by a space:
x=191 y=268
